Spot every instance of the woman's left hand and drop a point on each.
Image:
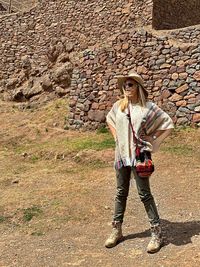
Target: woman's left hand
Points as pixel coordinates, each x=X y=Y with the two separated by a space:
x=147 y=138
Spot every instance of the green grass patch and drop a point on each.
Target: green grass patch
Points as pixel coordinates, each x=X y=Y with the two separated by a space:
x=102 y=129
x=29 y=213
x=93 y=143
x=69 y=145
x=180 y=149
x=34 y=158
x=37 y=233
x=2 y=219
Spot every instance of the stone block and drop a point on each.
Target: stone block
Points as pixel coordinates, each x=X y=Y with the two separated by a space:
x=181 y=88
x=196 y=76
x=175 y=97
x=96 y=115
x=181 y=103
x=196 y=118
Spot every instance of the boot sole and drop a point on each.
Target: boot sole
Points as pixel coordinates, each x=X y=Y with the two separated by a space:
x=153 y=251
x=156 y=250
x=115 y=244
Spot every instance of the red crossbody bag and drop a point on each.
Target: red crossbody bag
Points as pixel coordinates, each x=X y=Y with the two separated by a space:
x=144 y=165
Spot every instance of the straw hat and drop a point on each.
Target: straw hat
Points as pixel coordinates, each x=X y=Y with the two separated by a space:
x=131 y=75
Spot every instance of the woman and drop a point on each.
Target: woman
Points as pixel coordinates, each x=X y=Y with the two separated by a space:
x=150 y=125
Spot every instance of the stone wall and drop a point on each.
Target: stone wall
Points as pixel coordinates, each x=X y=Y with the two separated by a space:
x=84 y=23
x=173 y=14
x=171 y=73
x=188 y=35
x=101 y=39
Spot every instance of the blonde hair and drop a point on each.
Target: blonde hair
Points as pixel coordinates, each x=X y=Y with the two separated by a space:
x=142 y=99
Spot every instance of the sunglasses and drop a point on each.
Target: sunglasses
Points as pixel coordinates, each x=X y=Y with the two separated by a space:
x=129 y=84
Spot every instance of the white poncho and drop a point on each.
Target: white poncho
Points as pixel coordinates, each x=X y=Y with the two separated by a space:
x=147 y=120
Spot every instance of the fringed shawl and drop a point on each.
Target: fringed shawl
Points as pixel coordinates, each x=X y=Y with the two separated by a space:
x=147 y=120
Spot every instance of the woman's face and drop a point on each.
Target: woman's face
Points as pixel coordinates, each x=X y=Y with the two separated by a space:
x=131 y=88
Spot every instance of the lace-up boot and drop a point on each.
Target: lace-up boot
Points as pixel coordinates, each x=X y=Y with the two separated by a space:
x=116 y=235
x=156 y=239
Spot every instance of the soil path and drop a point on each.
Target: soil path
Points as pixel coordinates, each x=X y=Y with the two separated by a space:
x=77 y=204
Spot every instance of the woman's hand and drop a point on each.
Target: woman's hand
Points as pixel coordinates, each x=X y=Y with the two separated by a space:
x=147 y=138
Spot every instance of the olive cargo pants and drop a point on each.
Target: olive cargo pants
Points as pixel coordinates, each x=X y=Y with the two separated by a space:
x=123 y=176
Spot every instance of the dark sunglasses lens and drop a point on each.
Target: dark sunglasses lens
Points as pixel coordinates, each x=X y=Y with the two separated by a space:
x=129 y=84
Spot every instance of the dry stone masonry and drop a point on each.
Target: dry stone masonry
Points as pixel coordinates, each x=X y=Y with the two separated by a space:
x=173 y=14
x=87 y=43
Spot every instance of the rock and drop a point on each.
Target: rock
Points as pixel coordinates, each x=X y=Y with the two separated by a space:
x=46 y=83
x=169 y=107
x=190 y=70
x=180 y=69
x=172 y=69
x=196 y=76
x=26 y=62
x=184 y=110
x=182 y=88
x=174 y=76
x=180 y=63
x=193 y=85
x=95 y=105
x=189 y=96
x=182 y=121
x=61 y=91
x=72 y=103
x=64 y=57
x=160 y=61
x=165 y=51
x=142 y=70
x=96 y=115
x=98 y=9
x=165 y=66
x=69 y=47
x=62 y=75
x=197 y=109
x=192 y=100
x=165 y=94
x=52 y=54
x=158 y=83
x=30 y=91
x=181 y=103
x=125 y=47
x=17 y=95
x=175 y=97
x=196 y=117
x=11 y=83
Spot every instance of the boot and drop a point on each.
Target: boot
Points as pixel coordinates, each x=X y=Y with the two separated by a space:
x=116 y=235
x=156 y=239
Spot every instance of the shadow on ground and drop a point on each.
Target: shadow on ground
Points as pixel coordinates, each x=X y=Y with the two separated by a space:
x=176 y=233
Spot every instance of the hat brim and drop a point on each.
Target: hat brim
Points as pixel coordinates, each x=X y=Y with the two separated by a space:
x=121 y=79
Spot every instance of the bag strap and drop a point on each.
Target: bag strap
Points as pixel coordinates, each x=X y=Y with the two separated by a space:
x=135 y=139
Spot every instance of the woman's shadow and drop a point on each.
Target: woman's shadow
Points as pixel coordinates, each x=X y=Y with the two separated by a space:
x=176 y=233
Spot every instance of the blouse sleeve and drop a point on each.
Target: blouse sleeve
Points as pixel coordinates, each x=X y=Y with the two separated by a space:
x=111 y=116
x=158 y=120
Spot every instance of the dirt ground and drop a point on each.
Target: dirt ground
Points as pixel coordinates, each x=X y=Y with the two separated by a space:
x=57 y=192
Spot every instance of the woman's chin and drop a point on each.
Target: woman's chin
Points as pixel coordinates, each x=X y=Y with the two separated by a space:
x=130 y=96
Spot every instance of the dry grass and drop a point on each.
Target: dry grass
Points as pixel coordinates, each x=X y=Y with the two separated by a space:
x=44 y=167
x=52 y=178
x=40 y=167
